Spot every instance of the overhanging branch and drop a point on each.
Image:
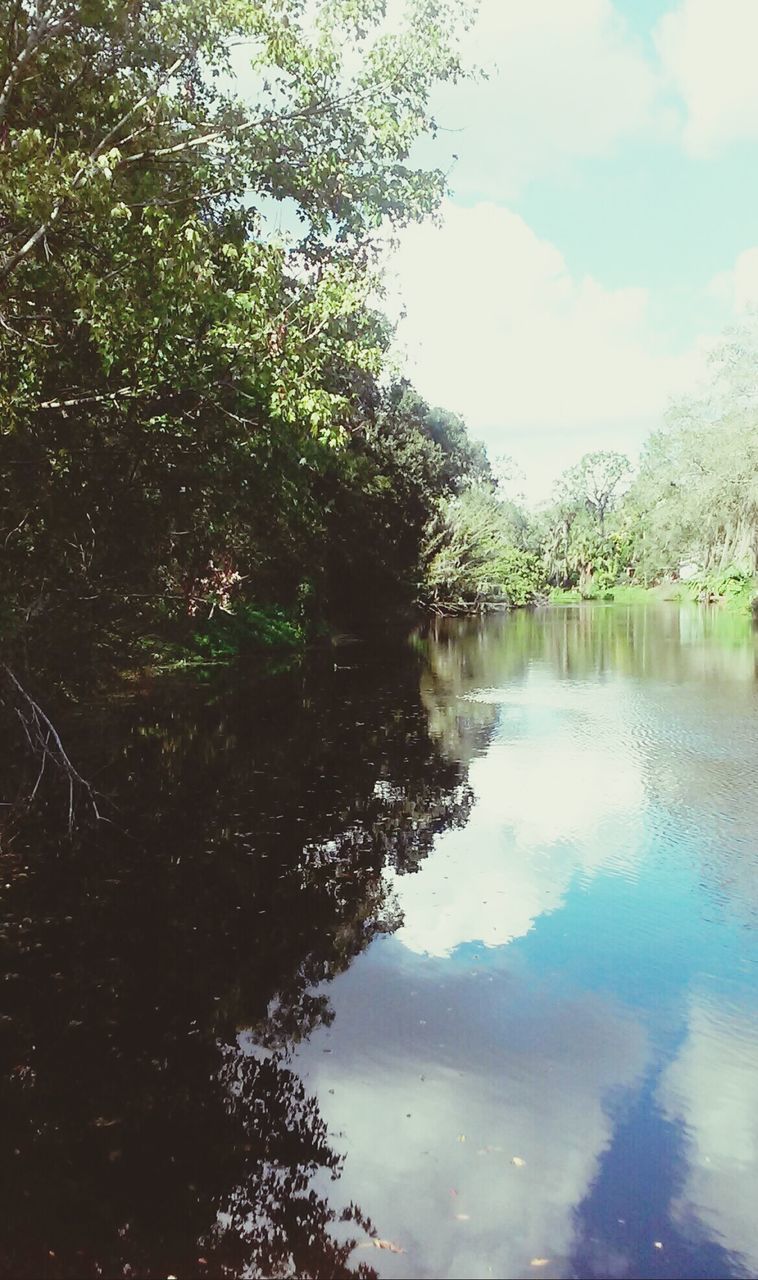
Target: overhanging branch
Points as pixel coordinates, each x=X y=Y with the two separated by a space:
x=45 y=743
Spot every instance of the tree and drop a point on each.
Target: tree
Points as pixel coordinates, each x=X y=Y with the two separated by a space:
x=595 y=483
x=579 y=547
x=174 y=380
x=473 y=556
x=695 y=501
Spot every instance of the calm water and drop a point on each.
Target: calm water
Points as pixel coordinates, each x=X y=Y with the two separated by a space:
x=449 y=945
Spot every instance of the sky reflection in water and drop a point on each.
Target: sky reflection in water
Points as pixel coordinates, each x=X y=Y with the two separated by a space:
x=574 y=980
x=450 y=944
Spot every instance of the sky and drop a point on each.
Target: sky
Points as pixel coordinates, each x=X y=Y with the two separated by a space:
x=602 y=225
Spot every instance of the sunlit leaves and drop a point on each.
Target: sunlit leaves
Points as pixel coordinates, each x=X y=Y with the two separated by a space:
x=695 y=502
x=166 y=360
x=473 y=556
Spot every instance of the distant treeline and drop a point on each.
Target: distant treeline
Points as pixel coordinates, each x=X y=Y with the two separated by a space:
x=689 y=514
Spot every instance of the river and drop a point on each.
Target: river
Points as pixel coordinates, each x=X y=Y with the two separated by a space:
x=432 y=958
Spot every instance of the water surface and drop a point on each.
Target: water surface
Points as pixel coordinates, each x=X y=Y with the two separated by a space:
x=449 y=945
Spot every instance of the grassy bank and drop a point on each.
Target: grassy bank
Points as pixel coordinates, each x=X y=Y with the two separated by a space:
x=732 y=591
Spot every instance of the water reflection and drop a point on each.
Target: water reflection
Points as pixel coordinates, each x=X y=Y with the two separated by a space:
x=671 y=643
x=710 y=1089
x=558 y=791
x=447 y=946
x=243 y=867
x=536 y=1004
x=475 y=1102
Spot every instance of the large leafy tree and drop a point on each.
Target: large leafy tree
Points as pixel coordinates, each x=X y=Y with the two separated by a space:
x=582 y=534
x=696 y=498
x=172 y=376
x=595 y=483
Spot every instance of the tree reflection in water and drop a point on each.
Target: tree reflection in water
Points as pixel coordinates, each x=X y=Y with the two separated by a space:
x=251 y=826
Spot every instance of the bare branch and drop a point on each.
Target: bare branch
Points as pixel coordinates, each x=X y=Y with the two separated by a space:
x=101 y=398
x=111 y=135
x=39 y=731
x=224 y=133
x=41 y=770
x=16 y=528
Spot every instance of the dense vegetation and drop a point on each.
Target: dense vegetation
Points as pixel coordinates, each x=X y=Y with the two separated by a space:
x=200 y=445
x=478 y=549
x=197 y=438
x=695 y=501
x=687 y=520
x=690 y=514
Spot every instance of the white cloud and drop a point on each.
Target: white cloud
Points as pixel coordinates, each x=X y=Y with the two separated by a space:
x=528 y=850
x=522 y=1070
x=738 y=287
x=708 y=50
x=498 y=328
x=711 y=1089
x=565 y=80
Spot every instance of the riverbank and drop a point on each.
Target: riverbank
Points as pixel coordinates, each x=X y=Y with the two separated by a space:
x=272 y=635
x=737 y=594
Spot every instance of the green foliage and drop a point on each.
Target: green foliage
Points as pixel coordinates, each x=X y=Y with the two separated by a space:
x=472 y=557
x=179 y=388
x=583 y=535
x=246 y=629
x=691 y=512
x=194 y=416
x=694 y=505
x=731 y=587
x=594 y=483
x=564 y=595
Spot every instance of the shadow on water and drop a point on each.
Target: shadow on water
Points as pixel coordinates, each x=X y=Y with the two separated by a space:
x=250 y=1025
x=251 y=826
